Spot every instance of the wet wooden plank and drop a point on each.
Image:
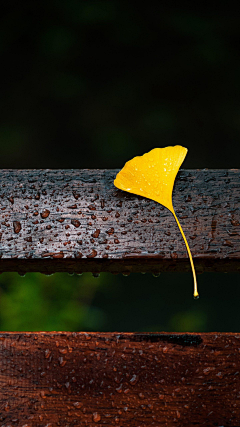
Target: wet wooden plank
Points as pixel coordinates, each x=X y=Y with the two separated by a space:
x=130 y=379
x=76 y=220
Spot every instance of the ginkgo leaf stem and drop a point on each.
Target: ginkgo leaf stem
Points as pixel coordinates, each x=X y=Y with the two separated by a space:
x=195 y=294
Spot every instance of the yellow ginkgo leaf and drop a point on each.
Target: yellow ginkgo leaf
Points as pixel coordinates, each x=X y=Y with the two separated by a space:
x=152 y=175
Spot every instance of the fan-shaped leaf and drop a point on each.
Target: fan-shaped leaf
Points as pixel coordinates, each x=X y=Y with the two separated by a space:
x=152 y=175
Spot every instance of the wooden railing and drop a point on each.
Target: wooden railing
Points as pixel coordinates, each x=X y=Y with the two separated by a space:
x=77 y=221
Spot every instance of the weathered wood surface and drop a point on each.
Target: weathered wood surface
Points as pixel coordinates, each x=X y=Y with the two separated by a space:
x=77 y=220
x=130 y=379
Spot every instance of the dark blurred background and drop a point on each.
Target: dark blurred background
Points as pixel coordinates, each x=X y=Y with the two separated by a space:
x=91 y=84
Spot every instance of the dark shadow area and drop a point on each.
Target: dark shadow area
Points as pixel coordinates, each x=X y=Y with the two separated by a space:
x=90 y=84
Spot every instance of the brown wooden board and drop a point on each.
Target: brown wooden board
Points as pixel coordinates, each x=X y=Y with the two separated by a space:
x=131 y=379
x=77 y=220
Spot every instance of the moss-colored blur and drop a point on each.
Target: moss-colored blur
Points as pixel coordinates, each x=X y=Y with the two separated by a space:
x=91 y=84
x=117 y=303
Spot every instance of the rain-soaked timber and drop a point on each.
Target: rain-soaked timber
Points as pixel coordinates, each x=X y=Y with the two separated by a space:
x=77 y=221
x=109 y=379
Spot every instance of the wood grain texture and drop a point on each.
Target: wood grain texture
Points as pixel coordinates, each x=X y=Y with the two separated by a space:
x=131 y=379
x=77 y=220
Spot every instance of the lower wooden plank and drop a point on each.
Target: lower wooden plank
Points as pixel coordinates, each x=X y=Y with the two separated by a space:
x=131 y=379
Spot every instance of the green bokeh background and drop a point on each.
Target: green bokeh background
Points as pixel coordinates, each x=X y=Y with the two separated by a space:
x=90 y=84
